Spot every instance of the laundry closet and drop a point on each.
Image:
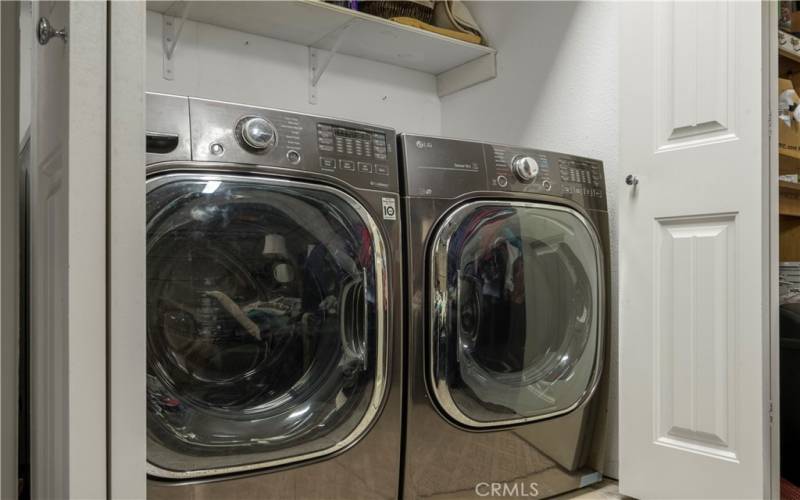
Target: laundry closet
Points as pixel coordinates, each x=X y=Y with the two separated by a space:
x=235 y=167
x=331 y=60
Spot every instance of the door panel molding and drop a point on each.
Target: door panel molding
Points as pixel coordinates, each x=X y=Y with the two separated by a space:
x=695 y=328
x=695 y=63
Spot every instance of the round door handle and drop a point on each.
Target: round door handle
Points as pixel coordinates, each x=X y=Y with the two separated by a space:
x=631 y=180
x=45 y=32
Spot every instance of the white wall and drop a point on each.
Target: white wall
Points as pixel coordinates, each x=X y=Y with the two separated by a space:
x=556 y=89
x=218 y=63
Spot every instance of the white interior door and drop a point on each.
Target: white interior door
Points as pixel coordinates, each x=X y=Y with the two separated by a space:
x=9 y=246
x=67 y=236
x=694 y=250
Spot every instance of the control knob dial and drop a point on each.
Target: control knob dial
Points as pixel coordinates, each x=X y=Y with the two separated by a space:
x=525 y=168
x=256 y=133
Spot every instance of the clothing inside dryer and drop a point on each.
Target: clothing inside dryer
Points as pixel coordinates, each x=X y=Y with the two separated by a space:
x=521 y=303
x=261 y=322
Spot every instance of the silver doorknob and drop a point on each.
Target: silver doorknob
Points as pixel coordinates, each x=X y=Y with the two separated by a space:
x=631 y=180
x=45 y=32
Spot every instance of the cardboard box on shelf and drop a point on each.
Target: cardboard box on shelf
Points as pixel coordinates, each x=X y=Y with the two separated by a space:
x=788 y=135
x=794 y=78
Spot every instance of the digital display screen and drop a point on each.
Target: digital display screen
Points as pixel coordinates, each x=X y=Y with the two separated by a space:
x=352 y=133
x=348 y=141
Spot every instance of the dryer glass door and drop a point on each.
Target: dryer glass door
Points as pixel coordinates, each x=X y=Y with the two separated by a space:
x=516 y=312
x=266 y=323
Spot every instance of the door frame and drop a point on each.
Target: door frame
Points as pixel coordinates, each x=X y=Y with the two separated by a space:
x=772 y=236
x=125 y=257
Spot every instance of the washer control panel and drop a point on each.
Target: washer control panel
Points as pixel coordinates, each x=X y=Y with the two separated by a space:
x=581 y=176
x=513 y=169
x=361 y=151
x=448 y=168
x=362 y=155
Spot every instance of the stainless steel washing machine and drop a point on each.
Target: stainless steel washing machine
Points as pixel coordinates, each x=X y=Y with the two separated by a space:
x=507 y=316
x=273 y=304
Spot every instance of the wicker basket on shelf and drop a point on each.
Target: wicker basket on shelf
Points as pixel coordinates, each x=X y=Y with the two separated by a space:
x=347 y=4
x=421 y=10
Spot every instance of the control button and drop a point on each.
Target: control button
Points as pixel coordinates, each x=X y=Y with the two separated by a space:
x=347 y=165
x=546 y=185
x=293 y=157
x=365 y=168
x=328 y=149
x=502 y=181
x=217 y=149
x=382 y=169
x=525 y=168
x=257 y=133
x=327 y=164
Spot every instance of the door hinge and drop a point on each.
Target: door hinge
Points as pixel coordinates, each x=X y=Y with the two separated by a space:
x=769 y=124
x=770 y=413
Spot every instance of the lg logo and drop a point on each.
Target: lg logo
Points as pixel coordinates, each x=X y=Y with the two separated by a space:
x=507 y=490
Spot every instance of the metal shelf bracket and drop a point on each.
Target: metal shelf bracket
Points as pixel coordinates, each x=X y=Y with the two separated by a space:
x=170 y=33
x=317 y=64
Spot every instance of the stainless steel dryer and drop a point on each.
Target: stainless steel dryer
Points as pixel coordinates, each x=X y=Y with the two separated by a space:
x=273 y=304
x=507 y=311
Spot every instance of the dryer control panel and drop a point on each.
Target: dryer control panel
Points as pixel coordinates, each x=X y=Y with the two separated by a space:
x=212 y=131
x=449 y=168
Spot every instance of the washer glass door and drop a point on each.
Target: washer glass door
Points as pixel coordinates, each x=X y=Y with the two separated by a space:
x=266 y=323
x=516 y=312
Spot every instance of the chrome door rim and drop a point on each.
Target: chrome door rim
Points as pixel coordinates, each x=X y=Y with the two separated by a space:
x=382 y=327
x=439 y=388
